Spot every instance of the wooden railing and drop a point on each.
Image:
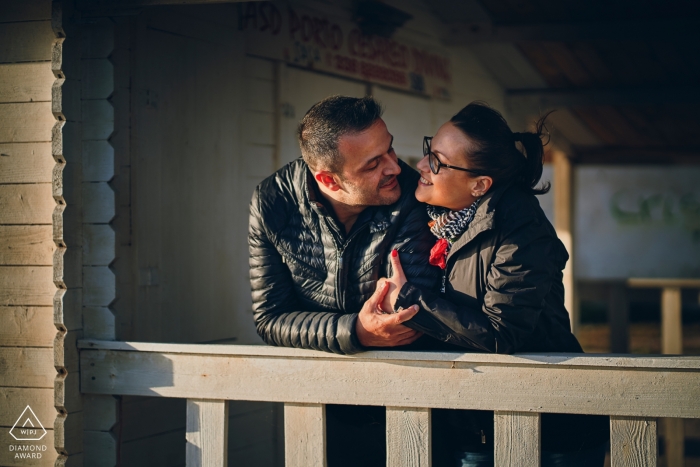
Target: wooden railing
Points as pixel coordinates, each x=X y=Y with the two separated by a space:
x=633 y=390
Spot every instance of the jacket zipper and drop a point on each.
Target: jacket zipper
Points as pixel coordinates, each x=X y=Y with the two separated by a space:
x=340 y=273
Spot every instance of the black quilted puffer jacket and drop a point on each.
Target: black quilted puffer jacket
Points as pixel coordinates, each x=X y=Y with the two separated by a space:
x=308 y=278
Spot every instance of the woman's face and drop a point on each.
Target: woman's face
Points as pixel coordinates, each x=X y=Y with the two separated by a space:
x=450 y=188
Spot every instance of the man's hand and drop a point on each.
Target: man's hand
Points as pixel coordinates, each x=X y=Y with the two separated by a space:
x=377 y=329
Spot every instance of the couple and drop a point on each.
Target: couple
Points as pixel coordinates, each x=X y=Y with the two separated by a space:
x=351 y=249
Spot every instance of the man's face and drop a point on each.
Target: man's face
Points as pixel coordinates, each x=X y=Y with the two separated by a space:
x=370 y=167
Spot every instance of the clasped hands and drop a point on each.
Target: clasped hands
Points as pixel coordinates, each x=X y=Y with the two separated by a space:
x=377 y=323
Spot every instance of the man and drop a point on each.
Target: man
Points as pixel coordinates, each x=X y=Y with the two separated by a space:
x=322 y=229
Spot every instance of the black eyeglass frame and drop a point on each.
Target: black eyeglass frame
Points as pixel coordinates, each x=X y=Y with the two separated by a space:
x=433 y=157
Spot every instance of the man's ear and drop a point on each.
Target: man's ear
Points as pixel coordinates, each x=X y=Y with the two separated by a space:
x=327 y=179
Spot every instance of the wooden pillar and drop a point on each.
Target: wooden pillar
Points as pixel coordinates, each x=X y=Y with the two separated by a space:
x=517 y=439
x=207 y=433
x=671 y=326
x=408 y=437
x=618 y=318
x=563 y=223
x=632 y=442
x=305 y=435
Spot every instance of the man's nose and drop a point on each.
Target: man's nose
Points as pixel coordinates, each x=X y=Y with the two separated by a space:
x=392 y=167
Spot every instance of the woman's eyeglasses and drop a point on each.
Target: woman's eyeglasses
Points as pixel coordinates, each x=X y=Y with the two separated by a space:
x=435 y=163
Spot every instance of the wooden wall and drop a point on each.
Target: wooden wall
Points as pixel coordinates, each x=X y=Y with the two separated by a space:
x=31 y=265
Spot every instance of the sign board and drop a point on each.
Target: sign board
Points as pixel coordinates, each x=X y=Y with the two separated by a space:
x=637 y=222
x=334 y=45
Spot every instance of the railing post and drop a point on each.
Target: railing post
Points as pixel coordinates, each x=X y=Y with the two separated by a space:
x=632 y=442
x=305 y=435
x=408 y=437
x=207 y=433
x=517 y=439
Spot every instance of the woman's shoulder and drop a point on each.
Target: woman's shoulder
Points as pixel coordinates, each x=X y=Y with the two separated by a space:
x=516 y=206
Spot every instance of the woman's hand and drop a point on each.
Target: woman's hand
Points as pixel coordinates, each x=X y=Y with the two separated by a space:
x=396 y=281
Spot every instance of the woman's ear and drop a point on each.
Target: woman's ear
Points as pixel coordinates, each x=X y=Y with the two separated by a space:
x=482 y=185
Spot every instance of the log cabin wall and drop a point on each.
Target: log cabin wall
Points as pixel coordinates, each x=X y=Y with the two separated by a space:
x=39 y=260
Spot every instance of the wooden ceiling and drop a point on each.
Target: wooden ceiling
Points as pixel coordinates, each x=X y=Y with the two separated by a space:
x=628 y=70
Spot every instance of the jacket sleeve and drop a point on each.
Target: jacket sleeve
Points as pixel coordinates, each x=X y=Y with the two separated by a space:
x=277 y=314
x=518 y=279
x=413 y=241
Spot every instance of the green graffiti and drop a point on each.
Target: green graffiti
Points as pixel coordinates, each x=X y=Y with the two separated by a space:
x=658 y=209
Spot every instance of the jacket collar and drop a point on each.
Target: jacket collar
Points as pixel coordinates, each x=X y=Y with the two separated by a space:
x=483 y=218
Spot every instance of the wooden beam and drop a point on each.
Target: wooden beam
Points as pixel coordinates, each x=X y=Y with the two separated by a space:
x=304 y=435
x=618 y=317
x=408 y=437
x=671 y=322
x=643 y=283
x=546 y=99
x=632 y=442
x=640 y=155
x=207 y=433
x=563 y=223
x=466 y=33
x=517 y=439
x=92 y=5
x=567 y=383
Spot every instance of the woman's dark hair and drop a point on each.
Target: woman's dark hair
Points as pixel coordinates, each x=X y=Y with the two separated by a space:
x=495 y=152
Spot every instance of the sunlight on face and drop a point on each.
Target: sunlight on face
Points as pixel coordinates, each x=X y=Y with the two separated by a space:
x=448 y=188
x=370 y=168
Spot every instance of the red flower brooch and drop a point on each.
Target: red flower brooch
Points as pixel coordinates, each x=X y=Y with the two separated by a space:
x=438 y=254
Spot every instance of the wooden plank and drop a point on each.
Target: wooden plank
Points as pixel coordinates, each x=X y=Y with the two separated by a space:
x=644 y=362
x=100 y=412
x=671 y=323
x=67 y=309
x=408 y=437
x=26 y=122
x=65 y=100
x=98 y=203
x=304 y=435
x=98 y=39
x=26 y=245
x=99 y=448
x=26 y=42
x=517 y=439
x=98 y=244
x=26 y=285
x=98 y=161
x=65 y=351
x=563 y=223
x=561 y=388
x=99 y=285
x=143 y=417
x=162 y=449
x=661 y=283
x=99 y=323
x=25 y=11
x=207 y=433
x=98 y=78
x=618 y=317
x=549 y=98
x=67 y=396
x=632 y=442
x=48 y=453
x=26 y=326
x=68 y=433
x=98 y=119
x=26 y=204
x=14 y=400
x=26 y=367
x=26 y=163
x=674 y=441
x=26 y=82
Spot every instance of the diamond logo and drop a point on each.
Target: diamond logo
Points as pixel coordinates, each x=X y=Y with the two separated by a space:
x=28 y=427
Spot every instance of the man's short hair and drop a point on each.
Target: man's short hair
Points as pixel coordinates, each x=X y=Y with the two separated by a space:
x=324 y=124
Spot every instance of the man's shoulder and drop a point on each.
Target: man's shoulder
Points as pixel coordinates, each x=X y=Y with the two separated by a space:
x=281 y=193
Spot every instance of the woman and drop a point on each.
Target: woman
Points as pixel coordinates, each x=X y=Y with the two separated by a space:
x=502 y=267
